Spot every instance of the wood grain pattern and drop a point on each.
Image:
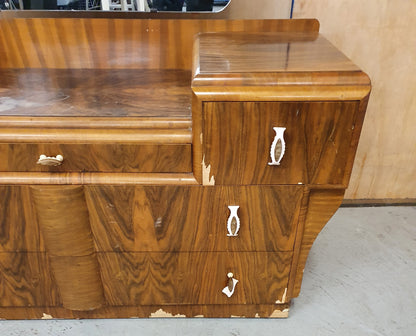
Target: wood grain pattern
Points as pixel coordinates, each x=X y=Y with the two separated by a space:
x=98 y=158
x=193 y=278
x=289 y=52
x=237 y=139
x=45 y=178
x=246 y=310
x=26 y=281
x=322 y=205
x=19 y=229
x=105 y=43
x=104 y=136
x=95 y=93
x=64 y=222
x=179 y=218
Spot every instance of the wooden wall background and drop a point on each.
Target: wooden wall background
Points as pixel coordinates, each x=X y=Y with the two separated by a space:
x=380 y=37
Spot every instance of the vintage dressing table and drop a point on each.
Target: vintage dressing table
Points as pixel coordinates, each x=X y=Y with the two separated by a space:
x=168 y=167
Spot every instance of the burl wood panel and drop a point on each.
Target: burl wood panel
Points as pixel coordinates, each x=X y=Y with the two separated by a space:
x=116 y=43
x=237 y=137
x=26 y=280
x=19 y=229
x=179 y=218
x=64 y=222
x=95 y=93
x=155 y=311
x=98 y=158
x=322 y=205
x=193 y=278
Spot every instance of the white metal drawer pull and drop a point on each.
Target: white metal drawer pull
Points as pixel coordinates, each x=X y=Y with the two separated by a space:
x=50 y=160
x=233 y=222
x=277 y=149
x=229 y=289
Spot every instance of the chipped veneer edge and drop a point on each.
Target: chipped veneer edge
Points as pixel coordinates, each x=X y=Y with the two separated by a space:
x=206 y=171
x=280 y=313
x=161 y=313
x=46 y=317
x=283 y=297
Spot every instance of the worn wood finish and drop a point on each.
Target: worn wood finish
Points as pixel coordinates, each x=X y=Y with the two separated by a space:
x=98 y=158
x=64 y=222
x=154 y=311
x=237 y=138
x=193 y=278
x=19 y=230
x=26 y=281
x=178 y=218
x=95 y=93
x=224 y=53
x=322 y=206
x=70 y=43
x=45 y=178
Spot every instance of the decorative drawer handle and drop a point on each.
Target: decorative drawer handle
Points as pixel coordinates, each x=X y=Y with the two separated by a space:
x=229 y=289
x=50 y=160
x=277 y=150
x=233 y=222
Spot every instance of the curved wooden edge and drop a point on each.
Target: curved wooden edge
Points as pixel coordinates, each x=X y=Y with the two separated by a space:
x=98 y=178
x=282 y=93
x=322 y=206
x=125 y=136
x=156 y=311
x=96 y=123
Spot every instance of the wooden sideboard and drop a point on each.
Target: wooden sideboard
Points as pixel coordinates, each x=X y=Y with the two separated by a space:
x=182 y=169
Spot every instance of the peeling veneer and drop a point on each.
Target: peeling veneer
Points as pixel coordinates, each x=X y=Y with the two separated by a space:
x=280 y=313
x=206 y=172
x=46 y=317
x=283 y=297
x=161 y=313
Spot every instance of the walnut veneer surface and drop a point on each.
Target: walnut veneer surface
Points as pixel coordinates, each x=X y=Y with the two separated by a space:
x=136 y=217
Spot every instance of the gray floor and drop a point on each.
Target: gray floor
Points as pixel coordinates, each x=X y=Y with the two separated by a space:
x=360 y=279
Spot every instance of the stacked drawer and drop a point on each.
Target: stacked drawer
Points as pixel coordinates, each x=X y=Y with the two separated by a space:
x=172 y=245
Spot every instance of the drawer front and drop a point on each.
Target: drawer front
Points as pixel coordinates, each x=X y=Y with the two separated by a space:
x=26 y=281
x=194 y=218
x=242 y=142
x=143 y=158
x=194 y=278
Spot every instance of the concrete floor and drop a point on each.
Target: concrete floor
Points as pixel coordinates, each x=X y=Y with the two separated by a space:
x=360 y=279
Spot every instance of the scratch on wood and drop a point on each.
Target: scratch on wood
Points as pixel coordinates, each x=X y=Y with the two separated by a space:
x=280 y=313
x=236 y=316
x=283 y=297
x=199 y=316
x=201 y=138
x=206 y=171
x=46 y=317
x=161 y=313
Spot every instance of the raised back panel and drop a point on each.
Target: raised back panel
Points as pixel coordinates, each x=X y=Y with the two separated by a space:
x=107 y=43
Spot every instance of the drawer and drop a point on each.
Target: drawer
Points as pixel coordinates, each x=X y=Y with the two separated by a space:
x=120 y=158
x=194 y=278
x=26 y=281
x=193 y=218
x=242 y=145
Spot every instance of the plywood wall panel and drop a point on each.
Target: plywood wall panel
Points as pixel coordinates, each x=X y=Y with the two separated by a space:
x=380 y=37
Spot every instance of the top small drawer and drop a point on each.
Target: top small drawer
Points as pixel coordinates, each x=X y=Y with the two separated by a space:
x=120 y=158
x=278 y=142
